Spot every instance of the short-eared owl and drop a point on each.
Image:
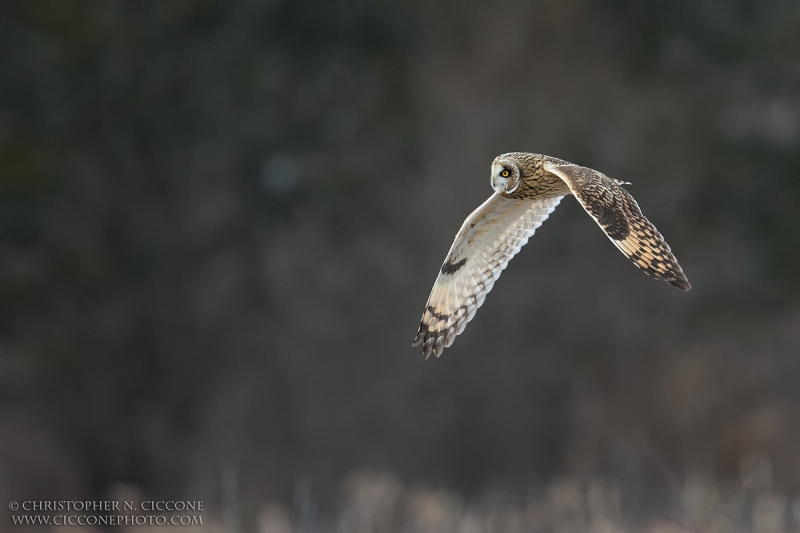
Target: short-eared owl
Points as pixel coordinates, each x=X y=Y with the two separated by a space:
x=528 y=187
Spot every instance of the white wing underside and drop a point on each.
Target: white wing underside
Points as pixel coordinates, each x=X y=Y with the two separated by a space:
x=484 y=245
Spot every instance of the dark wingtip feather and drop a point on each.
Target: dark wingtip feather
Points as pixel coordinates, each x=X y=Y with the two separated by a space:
x=681 y=283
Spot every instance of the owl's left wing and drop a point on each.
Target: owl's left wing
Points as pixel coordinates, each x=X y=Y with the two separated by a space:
x=484 y=245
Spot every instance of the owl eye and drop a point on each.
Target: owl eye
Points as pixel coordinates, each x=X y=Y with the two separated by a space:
x=505 y=173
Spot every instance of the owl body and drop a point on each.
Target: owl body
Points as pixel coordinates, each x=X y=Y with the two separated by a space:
x=535 y=181
x=528 y=187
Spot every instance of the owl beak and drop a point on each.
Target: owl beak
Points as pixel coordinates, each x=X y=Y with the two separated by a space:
x=499 y=184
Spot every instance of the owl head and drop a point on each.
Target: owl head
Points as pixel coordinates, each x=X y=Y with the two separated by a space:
x=506 y=175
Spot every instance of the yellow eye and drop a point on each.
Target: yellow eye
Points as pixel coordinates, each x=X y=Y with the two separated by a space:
x=505 y=173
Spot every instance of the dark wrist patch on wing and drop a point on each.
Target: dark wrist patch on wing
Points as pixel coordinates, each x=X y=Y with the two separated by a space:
x=451 y=268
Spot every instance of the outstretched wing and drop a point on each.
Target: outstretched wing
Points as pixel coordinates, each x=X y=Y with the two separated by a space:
x=619 y=215
x=484 y=245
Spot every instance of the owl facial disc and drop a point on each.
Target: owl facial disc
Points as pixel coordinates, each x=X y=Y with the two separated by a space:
x=505 y=177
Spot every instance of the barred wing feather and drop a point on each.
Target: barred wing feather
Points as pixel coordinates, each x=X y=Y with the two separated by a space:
x=618 y=214
x=484 y=245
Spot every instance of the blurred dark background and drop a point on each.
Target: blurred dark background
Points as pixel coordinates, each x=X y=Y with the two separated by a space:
x=219 y=223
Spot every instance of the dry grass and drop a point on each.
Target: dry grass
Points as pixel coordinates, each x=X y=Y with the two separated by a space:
x=374 y=502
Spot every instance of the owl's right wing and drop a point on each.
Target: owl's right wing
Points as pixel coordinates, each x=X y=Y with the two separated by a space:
x=618 y=214
x=484 y=245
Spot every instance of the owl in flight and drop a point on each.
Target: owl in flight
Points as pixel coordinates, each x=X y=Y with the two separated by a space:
x=528 y=187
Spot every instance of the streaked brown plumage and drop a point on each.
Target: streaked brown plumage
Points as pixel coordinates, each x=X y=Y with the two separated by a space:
x=528 y=187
